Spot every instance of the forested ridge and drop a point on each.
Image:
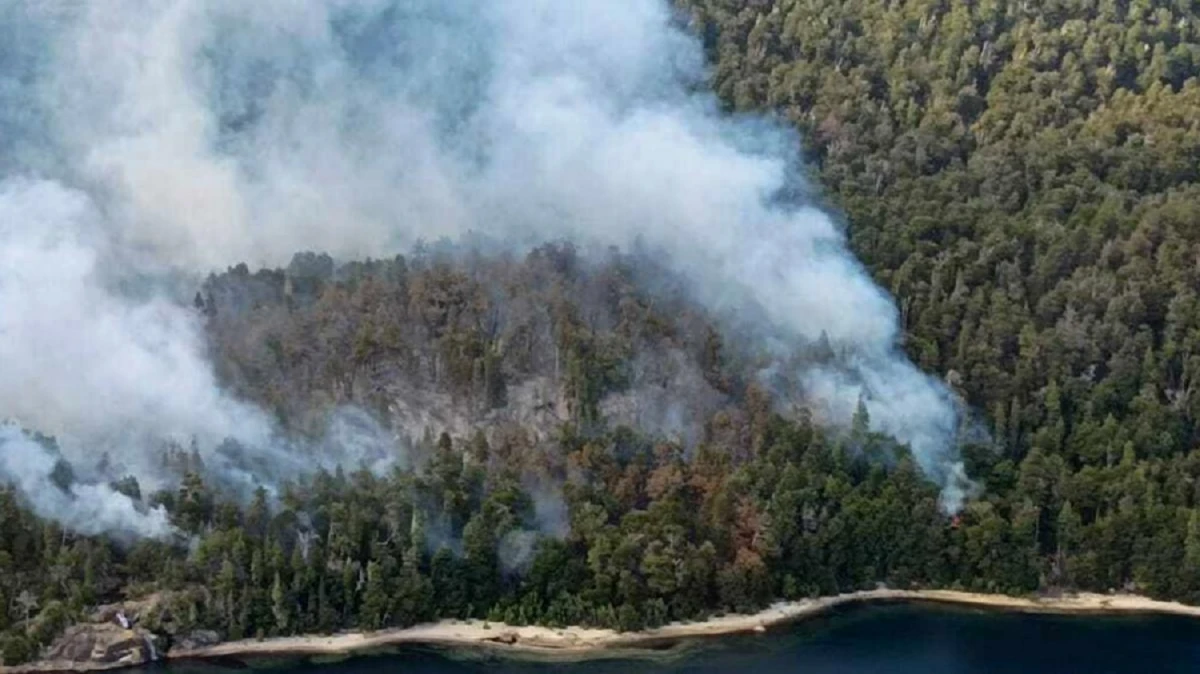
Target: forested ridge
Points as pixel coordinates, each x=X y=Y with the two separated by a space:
x=1021 y=176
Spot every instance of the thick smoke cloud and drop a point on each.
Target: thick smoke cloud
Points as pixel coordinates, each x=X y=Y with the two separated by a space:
x=77 y=353
x=116 y=367
x=144 y=140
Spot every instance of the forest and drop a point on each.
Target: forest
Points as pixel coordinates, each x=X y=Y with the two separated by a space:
x=1022 y=177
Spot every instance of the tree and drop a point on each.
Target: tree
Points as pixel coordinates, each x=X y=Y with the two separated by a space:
x=1068 y=533
x=375 y=603
x=280 y=605
x=27 y=602
x=15 y=650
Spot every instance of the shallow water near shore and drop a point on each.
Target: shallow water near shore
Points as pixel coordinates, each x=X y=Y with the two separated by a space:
x=878 y=638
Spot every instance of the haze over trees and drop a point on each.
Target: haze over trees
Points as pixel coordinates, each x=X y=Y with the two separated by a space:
x=1021 y=176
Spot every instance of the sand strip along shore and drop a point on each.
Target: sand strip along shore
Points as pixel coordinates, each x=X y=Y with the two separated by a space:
x=579 y=643
x=583 y=641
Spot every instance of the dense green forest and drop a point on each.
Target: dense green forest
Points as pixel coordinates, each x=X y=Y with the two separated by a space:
x=1021 y=176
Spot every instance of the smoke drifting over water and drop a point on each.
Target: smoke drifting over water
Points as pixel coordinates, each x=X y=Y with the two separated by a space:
x=143 y=140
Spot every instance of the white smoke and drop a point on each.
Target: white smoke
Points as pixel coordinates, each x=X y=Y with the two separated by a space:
x=119 y=375
x=87 y=508
x=179 y=136
x=77 y=354
x=516 y=548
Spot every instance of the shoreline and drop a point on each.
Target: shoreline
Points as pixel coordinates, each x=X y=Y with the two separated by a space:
x=580 y=643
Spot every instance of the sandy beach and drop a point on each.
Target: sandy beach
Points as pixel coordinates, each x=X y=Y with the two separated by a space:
x=577 y=642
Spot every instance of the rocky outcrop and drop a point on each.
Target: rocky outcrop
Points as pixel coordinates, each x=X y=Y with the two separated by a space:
x=195 y=640
x=97 y=646
x=105 y=643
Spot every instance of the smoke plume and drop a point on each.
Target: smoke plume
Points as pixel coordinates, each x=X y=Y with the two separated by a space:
x=147 y=141
x=87 y=508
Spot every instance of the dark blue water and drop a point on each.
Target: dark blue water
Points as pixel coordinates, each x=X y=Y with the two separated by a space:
x=899 y=639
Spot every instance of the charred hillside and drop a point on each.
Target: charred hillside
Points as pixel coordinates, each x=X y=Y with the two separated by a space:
x=464 y=343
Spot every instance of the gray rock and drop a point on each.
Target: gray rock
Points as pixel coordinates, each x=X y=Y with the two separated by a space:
x=196 y=639
x=104 y=644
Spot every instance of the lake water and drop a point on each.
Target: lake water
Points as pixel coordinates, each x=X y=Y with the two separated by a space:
x=897 y=638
